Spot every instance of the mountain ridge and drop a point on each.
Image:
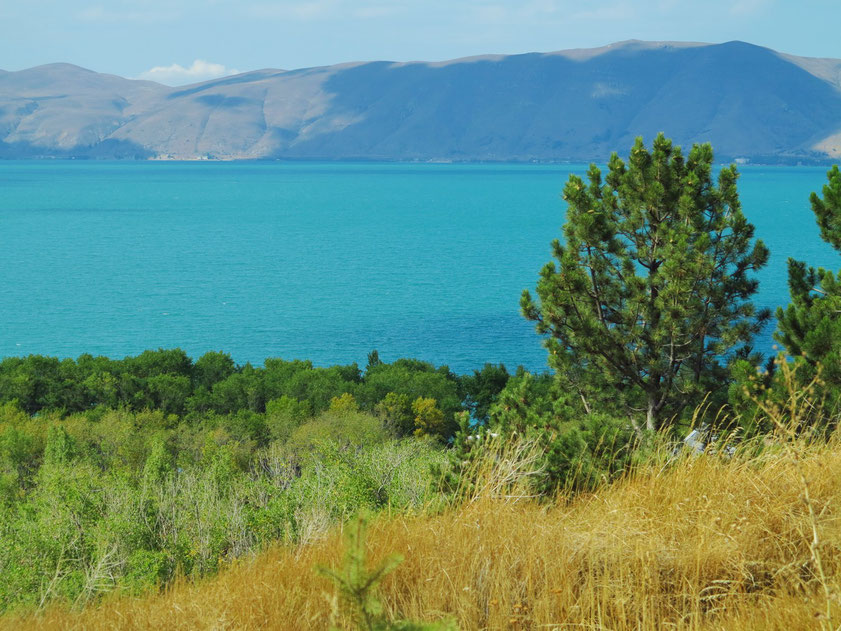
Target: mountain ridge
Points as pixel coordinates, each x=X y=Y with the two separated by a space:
x=751 y=102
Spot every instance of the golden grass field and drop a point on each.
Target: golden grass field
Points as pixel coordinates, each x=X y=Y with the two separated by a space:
x=701 y=543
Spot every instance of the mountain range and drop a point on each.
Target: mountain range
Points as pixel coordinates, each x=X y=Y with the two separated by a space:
x=750 y=102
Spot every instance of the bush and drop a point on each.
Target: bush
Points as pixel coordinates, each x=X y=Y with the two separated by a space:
x=346 y=428
x=579 y=451
x=122 y=499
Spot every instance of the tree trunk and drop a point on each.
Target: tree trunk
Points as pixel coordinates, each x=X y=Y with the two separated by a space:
x=651 y=416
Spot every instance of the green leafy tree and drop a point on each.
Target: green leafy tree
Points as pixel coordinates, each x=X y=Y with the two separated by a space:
x=169 y=392
x=211 y=368
x=240 y=391
x=344 y=404
x=160 y=362
x=284 y=414
x=373 y=360
x=395 y=410
x=650 y=295
x=102 y=388
x=34 y=381
x=415 y=379
x=429 y=419
x=320 y=385
x=279 y=372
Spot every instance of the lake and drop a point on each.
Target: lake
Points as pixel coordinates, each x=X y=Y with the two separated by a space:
x=321 y=261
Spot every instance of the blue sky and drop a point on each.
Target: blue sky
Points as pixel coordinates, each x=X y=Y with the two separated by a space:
x=182 y=41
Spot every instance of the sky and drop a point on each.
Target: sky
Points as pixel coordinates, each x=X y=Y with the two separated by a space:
x=183 y=41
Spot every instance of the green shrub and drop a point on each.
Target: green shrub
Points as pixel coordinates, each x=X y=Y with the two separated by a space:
x=146 y=569
x=346 y=428
x=121 y=499
x=579 y=450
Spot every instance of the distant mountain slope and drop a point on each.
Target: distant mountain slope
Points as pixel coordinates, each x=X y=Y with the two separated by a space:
x=748 y=101
x=61 y=109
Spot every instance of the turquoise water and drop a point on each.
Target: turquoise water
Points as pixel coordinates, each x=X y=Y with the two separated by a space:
x=305 y=260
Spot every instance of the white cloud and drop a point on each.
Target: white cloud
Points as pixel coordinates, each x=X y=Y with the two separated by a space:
x=177 y=74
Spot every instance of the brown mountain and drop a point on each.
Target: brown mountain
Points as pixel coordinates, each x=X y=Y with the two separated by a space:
x=749 y=101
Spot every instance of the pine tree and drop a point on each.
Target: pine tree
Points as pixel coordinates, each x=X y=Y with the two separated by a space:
x=810 y=326
x=650 y=295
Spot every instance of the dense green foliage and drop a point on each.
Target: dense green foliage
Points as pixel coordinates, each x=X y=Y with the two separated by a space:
x=580 y=450
x=170 y=382
x=651 y=292
x=91 y=502
x=124 y=473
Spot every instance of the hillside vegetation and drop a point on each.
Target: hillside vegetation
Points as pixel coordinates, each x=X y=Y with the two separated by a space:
x=159 y=492
x=693 y=543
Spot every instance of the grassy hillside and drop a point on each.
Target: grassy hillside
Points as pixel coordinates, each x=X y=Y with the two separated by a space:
x=748 y=542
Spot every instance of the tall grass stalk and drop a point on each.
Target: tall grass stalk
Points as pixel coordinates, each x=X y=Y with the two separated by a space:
x=790 y=419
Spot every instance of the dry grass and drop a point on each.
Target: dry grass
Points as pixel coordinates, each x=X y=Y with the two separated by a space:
x=700 y=544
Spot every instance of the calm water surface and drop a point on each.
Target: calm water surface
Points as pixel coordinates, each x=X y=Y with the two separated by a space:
x=303 y=260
